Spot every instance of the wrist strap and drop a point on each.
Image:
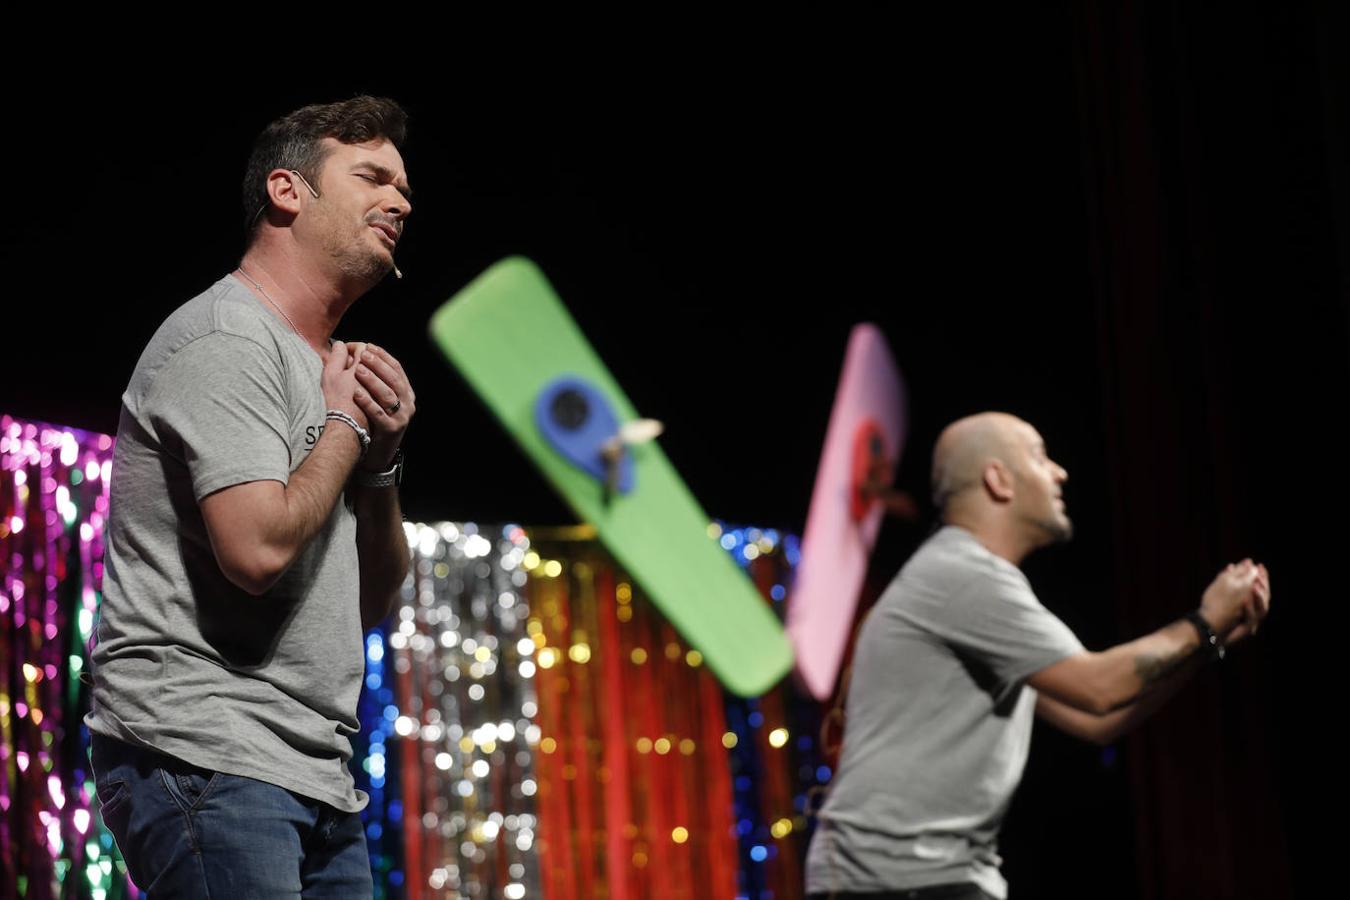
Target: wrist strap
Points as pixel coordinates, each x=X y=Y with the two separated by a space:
x=392 y=478
x=361 y=434
x=1209 y=641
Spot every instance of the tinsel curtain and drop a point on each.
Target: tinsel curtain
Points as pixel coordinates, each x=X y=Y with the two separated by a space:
x=53 y=502
x=531 y=725
x=463 y=731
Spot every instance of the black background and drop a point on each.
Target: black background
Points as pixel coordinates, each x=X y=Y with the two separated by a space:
x=1126 y=226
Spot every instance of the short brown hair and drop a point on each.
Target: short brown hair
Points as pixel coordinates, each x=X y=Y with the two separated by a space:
x=295 y=142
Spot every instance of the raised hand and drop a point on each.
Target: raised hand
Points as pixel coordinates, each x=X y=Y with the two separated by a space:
x=385 y=397
x=1237 y=600
x=338 y=383
x=1256 y=608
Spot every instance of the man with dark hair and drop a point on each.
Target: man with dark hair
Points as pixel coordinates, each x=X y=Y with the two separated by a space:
x=255 y=532
x=294 y=142
x=955 y=657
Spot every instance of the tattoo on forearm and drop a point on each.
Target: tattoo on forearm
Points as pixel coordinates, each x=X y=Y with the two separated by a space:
x=1152 y=669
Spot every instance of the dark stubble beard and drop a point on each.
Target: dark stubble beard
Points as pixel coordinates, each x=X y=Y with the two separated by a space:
x=367 y=267
x=363 y=265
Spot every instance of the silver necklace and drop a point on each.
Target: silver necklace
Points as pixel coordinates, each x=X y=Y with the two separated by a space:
x=289 y=320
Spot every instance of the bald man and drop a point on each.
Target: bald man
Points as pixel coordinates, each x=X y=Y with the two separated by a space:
x=955 y=657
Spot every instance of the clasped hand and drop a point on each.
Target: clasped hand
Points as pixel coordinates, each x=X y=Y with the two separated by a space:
x=369 y=384
x=1237 y=601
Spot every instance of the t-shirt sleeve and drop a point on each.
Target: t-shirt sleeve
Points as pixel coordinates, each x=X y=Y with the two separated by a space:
x=220 y=405
x=996 y=618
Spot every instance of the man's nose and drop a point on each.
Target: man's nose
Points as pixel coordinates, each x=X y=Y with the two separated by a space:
x=399 y=206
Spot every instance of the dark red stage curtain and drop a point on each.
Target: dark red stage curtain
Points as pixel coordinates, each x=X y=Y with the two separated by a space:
x=1213 y=148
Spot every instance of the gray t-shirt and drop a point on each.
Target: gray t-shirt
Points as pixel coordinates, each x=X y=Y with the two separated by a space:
x=186 y=662
x=939 y=723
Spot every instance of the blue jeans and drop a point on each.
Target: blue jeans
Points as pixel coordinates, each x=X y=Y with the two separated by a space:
x=188 y=832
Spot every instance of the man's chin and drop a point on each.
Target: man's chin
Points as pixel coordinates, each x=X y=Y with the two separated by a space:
x=371 y=269
x=1057 y=531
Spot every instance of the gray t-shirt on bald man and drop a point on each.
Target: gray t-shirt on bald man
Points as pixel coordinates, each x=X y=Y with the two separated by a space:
x=939 y=723
x=187 y=663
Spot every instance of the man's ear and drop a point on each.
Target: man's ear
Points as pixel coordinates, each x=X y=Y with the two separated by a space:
x=283 y=191
x=998 y=481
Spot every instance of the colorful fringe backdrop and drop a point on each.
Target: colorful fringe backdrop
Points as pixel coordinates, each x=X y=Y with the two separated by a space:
x=635 y=787
x=642 y=751
x=53 y=500
x=464 y=737
x=772 y=741
x=531 y=725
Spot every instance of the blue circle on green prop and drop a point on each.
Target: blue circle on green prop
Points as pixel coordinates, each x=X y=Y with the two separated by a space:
x=576 y=419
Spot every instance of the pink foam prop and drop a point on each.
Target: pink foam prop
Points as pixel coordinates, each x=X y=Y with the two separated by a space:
x=836 y=547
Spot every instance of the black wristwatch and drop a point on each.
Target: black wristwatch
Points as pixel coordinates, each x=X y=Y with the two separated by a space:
x=392 y=478
x=1209 y=641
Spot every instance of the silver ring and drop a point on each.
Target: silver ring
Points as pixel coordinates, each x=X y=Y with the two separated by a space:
x=398 y=404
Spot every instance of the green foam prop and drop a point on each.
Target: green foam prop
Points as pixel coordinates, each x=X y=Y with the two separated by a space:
x=509 y=336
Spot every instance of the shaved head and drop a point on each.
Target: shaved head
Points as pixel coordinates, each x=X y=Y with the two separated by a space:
x=965 y=447
x=992 y=476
